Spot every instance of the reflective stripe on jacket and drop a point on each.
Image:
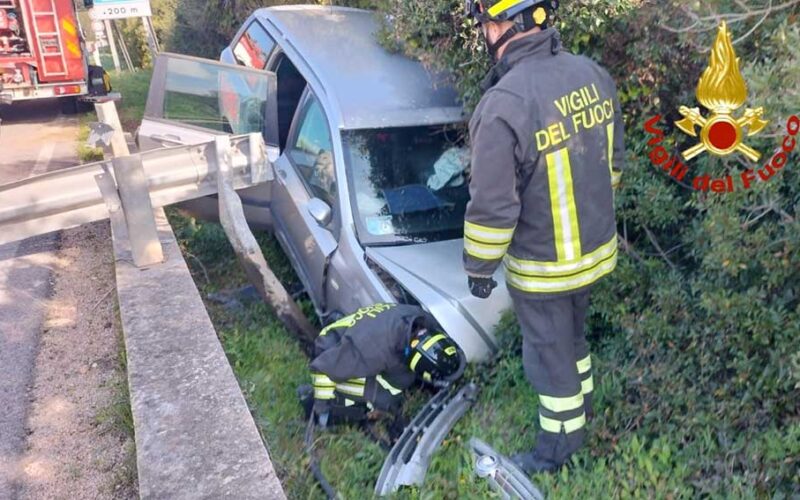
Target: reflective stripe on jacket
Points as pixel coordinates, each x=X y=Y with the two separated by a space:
x=547 y=150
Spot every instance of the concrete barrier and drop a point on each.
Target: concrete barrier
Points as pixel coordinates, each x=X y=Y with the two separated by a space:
x=195 y=437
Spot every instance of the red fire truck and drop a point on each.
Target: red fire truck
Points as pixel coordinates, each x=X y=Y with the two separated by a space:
x=43 y=53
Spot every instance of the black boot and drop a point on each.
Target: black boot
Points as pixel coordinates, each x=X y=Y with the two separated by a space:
x=532 y=463
x=305 y=394
x=551 y=452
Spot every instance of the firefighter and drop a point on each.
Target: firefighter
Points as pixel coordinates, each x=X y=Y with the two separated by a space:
x=364 y=361
x=547 y=153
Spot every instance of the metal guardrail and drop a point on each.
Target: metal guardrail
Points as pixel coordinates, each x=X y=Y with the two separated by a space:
x=74 y=196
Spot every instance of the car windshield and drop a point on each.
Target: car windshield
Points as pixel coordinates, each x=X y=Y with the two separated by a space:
x=408 y=184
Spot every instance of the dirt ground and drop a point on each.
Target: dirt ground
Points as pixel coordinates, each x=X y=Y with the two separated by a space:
x=78 y=446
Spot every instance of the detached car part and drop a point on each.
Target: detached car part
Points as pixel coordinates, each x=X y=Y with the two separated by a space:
x=408 y=461
x=502 y=474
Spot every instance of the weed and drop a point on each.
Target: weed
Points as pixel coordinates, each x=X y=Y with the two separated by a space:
x=649 y=460
x=134 y=88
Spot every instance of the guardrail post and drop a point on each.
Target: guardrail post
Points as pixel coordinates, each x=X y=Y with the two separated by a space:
x=107 y=113
x=251 y=258
x=138 y=208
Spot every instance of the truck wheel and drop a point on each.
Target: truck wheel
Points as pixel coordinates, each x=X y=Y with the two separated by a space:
x=74 y=106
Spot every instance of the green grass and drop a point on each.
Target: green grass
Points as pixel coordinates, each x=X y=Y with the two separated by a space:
x=118 y=415
x=86 y=153
x=134 y=88
x=649 y=460
x=645 y=456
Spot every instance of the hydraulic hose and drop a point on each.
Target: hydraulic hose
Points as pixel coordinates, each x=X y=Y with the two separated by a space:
x=313 y=464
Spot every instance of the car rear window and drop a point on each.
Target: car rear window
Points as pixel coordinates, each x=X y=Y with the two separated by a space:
x=254 y=47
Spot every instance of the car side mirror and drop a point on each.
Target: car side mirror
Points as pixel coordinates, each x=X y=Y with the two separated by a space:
x=320 y=211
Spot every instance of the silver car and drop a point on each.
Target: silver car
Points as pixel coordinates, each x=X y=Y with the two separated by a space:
x=370 y=186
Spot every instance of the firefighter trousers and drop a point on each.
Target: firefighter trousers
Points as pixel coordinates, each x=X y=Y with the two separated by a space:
x=555 y=355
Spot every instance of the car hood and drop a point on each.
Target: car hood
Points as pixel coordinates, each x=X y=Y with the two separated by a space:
x=433 y=273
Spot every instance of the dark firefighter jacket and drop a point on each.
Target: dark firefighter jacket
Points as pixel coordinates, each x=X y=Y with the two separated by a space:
x=361 y=358
x=547 y=147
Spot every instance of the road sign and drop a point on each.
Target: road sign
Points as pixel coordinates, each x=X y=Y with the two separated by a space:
x=120 y=9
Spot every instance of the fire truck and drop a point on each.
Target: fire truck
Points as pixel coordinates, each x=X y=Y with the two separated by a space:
x=43 y=53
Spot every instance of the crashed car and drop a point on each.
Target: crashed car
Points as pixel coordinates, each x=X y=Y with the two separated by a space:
x=371 y=183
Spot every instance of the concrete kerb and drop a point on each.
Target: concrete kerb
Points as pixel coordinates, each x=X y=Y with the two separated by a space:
x=195 y=437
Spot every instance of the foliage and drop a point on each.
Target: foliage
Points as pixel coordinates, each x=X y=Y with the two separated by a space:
x=269 y=369
x=134 y=88
x=699 y=326
x=695 y=336
x=132 y=30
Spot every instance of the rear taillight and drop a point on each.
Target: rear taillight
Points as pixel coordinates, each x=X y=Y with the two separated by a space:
x=68 y=89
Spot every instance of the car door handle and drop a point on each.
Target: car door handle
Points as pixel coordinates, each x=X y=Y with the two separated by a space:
x=281 y=172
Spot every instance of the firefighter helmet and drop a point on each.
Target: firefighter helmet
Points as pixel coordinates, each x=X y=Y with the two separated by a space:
x=525 y=14
x=506 y=10
x=434 y=355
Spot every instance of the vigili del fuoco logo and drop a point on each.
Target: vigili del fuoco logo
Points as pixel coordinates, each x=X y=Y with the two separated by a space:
x=722 y=130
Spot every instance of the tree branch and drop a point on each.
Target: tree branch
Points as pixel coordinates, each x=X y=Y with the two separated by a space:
x=661 y=252
x=701 y=24
x=628 y=248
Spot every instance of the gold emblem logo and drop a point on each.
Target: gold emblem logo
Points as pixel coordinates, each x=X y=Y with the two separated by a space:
x=722 y=90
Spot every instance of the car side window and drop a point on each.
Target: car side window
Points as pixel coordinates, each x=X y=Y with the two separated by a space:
x=254 y=47
x=312 y=151
x=211 y=95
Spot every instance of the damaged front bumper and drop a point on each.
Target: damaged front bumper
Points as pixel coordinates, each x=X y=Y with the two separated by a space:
x=505 y=477
x=408 y=461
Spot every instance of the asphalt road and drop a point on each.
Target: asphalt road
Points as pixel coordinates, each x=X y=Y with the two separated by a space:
x=34 y=138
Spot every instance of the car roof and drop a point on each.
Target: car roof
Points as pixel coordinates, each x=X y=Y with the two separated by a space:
x=372 y=87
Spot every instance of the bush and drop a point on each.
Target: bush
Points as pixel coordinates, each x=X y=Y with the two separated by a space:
x=696 y=333
x=698 y=329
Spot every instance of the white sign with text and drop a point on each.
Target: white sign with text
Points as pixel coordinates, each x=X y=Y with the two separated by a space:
x=120 y=9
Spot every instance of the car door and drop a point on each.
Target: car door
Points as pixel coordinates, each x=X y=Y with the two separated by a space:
x=192 y=100
x=305 y=184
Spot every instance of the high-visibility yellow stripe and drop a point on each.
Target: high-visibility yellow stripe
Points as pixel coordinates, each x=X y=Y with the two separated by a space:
x=394 y=391
x=562 y=203
x=562 y=284
x=67 y=25
x=349 y=402
x=352 y=389
x=616 y=177
x=610 y=134
x=587 y=386
x=322 y=380
x=558 y=224
x=555 y=426
x=585 y=364
x=414 y=360
x=73 y=49
x=573 y=245
x=429 y=343
x=502 y=6
x=484 y=252
x=323 y=393
x=562 y=404
x=566 y=269
x=486 y=234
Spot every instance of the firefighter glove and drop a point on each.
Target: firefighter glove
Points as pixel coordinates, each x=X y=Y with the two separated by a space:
x=481 y=287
